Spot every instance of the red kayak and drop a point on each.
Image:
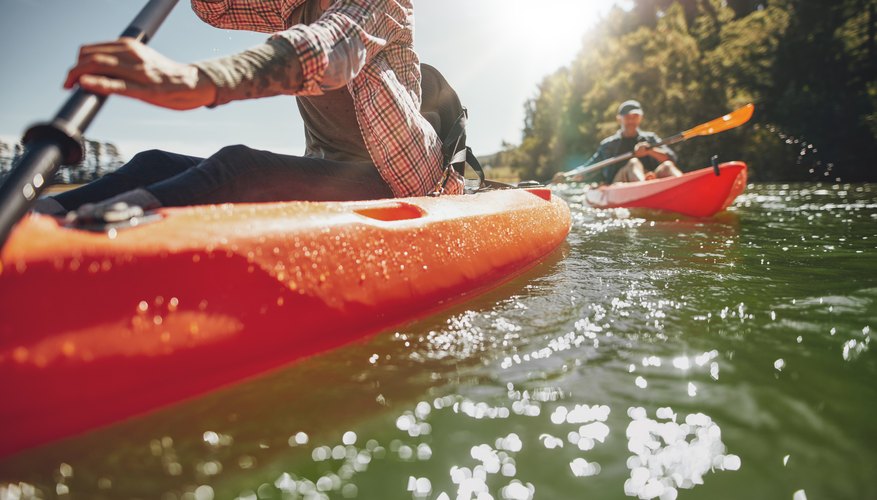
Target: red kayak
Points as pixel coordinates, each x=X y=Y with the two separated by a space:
x=701 y=193
x=98 y=326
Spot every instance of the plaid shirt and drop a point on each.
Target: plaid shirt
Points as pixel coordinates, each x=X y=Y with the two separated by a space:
x=367 y=45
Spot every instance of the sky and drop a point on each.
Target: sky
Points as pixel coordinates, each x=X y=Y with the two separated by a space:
x=493 y=52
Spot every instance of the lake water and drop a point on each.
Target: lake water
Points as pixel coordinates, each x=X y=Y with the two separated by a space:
x=725 y=358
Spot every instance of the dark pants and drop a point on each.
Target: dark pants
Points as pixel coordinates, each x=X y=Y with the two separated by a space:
x=235 y=174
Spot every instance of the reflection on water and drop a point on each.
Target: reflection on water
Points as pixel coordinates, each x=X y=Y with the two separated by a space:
x=665 y=459
x=652 y=357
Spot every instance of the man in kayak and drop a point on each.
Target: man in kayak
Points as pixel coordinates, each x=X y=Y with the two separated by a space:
x=649 y=162
x=357 y=79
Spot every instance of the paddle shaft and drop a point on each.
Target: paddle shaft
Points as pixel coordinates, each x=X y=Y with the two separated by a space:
x=49 y=145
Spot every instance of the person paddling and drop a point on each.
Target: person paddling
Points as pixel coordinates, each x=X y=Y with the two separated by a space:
x=648 y=162
x=352 y=67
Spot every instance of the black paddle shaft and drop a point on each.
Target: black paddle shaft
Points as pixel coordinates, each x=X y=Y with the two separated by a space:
x=49 y=145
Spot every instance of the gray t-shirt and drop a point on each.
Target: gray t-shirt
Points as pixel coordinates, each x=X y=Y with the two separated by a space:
x=331 y=129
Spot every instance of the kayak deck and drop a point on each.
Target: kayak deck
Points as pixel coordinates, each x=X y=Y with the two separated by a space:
x=98 y=327
x=700 y=193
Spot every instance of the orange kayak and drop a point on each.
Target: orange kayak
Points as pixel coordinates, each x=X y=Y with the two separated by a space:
x=101 y=326
x=701 y=193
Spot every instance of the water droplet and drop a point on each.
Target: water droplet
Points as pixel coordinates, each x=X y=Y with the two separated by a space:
x=174 y=468
x=349 y=490
x=405 y=452
x=665 y=413
x=681 y=363
x=731 y=462
x=211 y=438
x=246 y=462
x=66 y=470
x=204 y=492
x=349 y=438
x=636 y=413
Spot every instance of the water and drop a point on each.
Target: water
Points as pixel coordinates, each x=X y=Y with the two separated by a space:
x=754 y=328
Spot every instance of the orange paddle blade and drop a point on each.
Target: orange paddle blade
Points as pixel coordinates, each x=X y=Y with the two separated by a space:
x=727 y=122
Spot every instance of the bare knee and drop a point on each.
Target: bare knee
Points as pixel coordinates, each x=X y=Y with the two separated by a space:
x=667 y=169
x=632 y=171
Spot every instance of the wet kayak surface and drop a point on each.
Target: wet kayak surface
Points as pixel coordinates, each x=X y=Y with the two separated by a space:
x=652 y=355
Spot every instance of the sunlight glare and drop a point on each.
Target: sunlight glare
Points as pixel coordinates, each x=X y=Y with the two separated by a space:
x=551 y=28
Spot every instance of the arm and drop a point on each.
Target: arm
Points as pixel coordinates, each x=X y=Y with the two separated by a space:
x=311 y=59
x=127 y=67
x=598 y=156
x=604 y=175
x=346 y=38
x=305 y=59
x=671 y=155
x=660 y=154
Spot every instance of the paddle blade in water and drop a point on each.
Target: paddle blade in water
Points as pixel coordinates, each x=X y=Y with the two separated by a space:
x=721 y=124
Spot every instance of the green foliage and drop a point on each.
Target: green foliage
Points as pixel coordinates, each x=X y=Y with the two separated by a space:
x=809 y=65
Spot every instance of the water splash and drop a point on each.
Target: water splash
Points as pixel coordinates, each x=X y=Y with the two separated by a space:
x=818 y=169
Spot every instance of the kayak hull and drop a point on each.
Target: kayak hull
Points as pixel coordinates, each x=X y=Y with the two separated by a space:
x=701 y=193
x=98 y=327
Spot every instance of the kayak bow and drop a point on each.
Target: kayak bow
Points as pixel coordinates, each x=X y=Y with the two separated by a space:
x=701 y=193
x=206 y=296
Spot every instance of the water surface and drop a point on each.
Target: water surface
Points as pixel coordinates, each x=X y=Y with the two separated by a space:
x=651 y=356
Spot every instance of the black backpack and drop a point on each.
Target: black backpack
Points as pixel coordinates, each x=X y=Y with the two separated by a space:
x=442 y=108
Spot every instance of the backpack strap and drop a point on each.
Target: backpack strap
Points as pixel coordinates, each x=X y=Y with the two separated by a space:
x=442 y=108
x=456 y=153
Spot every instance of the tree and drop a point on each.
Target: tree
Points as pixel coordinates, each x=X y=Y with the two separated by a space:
x=808 y=65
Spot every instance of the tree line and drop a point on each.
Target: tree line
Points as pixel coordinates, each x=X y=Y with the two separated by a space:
x=810 y=66
x=99 y=159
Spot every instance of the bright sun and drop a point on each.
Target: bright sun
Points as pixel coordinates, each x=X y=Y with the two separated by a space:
x=550 y=30
x=553 y=24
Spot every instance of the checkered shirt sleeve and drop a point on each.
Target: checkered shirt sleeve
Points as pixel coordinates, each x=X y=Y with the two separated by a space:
x=367 y=45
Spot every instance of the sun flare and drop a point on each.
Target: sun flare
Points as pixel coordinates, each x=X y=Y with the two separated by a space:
x=552 y=25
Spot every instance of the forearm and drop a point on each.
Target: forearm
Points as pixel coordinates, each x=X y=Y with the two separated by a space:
x=660 y=155
x=306 y=59
x=266 y=70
